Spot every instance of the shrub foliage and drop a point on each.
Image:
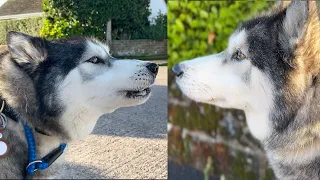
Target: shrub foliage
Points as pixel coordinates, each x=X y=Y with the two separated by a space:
x=197 y=28
x=76 y=17
x=30 y=26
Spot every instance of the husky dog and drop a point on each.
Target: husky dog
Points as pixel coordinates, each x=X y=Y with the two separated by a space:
x=270 y=70
x=60 y=88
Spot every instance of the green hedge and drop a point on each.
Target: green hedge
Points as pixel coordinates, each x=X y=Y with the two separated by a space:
x=30 y=26
x=191 y=23
x=64 y=18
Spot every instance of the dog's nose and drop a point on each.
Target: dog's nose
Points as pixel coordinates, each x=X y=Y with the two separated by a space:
x=177 y=70
x=153 y=67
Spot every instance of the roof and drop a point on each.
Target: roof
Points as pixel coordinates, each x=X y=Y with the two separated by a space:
x=13 y=7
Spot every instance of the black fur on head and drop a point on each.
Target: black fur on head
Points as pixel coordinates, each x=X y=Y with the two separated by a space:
x=46 y=62
x=272 y=41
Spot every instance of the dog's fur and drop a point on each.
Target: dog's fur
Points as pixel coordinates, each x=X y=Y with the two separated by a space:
x=54 y=87
x=277 y=84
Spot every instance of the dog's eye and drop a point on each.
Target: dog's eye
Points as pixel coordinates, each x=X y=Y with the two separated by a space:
x=95 y=60
x=238 y=56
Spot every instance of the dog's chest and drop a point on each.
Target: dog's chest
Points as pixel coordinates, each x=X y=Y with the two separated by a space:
x=45 y=145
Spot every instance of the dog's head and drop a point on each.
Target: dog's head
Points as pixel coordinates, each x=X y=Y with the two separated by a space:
x=269 y=61
x=77 y=80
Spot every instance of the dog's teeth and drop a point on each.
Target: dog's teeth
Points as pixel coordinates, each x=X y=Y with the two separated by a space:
x=142 y=93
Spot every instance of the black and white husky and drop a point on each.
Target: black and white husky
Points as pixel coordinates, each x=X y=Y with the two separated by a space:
x=270 y=70
x=60 y=89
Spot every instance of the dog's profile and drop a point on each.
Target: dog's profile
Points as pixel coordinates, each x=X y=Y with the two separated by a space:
x=60 y=88
x=270 y=70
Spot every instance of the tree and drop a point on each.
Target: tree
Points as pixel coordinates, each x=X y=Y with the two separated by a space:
x=158 y=29
x=81 y=17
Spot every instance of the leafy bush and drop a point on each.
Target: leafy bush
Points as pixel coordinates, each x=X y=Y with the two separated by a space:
x=198 y=28
x=74 y=17
x=30 y=26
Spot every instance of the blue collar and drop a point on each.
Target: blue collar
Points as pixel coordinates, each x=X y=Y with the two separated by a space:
x=43 y=163
x=33 y=164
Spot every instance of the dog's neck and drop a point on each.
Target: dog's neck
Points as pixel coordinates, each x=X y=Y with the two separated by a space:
x=79 y=121
x=259 y=123
x=46 y=144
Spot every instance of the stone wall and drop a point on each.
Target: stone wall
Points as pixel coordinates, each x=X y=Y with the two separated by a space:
x=138 y=47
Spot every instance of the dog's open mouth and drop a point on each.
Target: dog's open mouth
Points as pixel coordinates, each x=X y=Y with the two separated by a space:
x=138 y=94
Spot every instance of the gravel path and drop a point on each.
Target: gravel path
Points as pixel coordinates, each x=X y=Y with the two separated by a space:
x=129 y=143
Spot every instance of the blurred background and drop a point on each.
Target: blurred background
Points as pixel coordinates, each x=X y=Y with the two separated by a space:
x=207 y=142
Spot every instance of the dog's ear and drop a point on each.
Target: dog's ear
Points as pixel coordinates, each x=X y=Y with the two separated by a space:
x=25 y=50
x=295 y=19
x=293 y=26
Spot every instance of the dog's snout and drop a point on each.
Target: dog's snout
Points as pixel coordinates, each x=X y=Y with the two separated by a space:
x=177 y=70
x=153 y=67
